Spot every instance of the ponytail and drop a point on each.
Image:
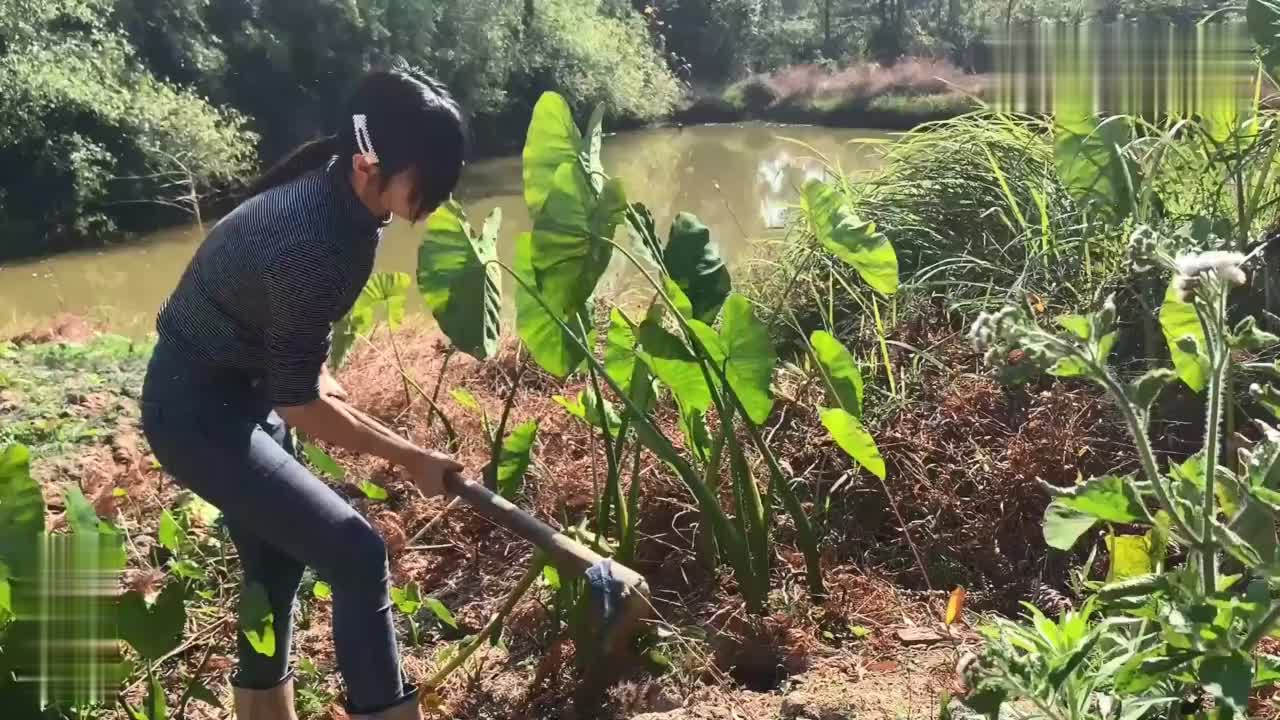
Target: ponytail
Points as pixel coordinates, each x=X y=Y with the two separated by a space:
x=306 y=157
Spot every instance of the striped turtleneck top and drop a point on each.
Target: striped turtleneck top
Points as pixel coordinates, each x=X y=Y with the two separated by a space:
x=265 y=287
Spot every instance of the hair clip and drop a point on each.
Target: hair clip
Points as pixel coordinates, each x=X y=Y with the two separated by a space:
x=363 y=141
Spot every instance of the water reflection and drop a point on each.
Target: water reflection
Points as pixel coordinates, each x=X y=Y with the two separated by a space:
x=739 y=180
x=780 y=178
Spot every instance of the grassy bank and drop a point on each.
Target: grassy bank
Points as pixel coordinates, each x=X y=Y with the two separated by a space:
x=896 y=97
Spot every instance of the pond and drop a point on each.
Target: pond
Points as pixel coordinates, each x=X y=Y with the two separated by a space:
x=738 y=179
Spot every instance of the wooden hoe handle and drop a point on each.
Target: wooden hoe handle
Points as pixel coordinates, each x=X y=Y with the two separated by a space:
x=565 y=552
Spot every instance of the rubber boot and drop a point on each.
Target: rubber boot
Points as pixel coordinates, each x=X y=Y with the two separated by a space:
x=271 y=704
x=407 y=710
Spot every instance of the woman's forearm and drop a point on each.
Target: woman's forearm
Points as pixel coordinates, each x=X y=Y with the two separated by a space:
x=326 y=419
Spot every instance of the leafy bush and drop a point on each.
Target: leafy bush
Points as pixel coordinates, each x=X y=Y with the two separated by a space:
x=718 y=41
x=753 y=95
x=85 y=130
x=593 y=58
x=576 y=210
x=676 y=350
x=287 y=62
x=974 y=207
x=709 y=39
x=1192 y=544
x=92 y=124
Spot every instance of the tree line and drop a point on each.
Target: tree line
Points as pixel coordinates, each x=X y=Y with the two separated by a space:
x=123 y=115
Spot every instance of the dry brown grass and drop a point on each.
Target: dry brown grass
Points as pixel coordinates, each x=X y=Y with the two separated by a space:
x=687 y=595
x=965 y=460
x=816 y=86
x=63 y=327
x=911 y=76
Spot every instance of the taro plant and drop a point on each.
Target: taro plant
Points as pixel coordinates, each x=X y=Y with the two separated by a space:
x=1192 y=544
x=383 y=299
x=408 y=600
x=726 y=370
x=695 y=342
x=510 y=453
x=843 y=420
x=463 y=291
x=855 y=243
x=54 y=603
x=862 y=247
x=846 y=242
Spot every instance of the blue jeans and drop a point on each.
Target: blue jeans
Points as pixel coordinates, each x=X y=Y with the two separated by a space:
x=216 y=434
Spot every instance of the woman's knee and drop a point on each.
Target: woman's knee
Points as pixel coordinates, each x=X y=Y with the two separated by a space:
x=361 y=555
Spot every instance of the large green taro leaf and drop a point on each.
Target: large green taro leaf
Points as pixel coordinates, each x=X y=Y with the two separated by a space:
x=848 y=432
x=1091 y=159
x=550 y=346
x=849 y=238
x=21 y=511
x=553 y=139
x=571 y=246
x=745 y=354
x=693 y=261
x=461 y=286
x=840 y=371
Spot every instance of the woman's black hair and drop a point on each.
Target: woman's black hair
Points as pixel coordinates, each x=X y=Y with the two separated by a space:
x=413 y=122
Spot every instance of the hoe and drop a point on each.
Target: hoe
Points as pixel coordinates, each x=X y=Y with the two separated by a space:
x=619 y=596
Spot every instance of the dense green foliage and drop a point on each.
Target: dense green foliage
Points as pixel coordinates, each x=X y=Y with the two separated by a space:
x=714 y=41
x=986 y=208
x=1161 y=627
x=1191 y=538
x=124 y=114
x=85 y=127
x=286 y=63
x=675 y=356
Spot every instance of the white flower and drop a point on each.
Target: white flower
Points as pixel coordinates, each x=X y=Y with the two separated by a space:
x=991 y=330
x=1226 y=265
x=983 y=332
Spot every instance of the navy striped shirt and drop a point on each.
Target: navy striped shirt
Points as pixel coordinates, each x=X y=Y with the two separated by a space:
x=264 y=289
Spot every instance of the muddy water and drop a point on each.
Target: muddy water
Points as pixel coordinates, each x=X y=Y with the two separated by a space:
x=738 y=179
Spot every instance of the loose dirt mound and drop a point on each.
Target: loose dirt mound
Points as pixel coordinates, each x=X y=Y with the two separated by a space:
x=965 y=460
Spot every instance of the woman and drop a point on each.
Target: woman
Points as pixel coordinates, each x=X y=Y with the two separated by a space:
x=240 y=361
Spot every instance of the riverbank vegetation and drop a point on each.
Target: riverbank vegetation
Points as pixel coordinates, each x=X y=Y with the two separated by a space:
x=1004 y=405
x=803 y=476
x=765 y=503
